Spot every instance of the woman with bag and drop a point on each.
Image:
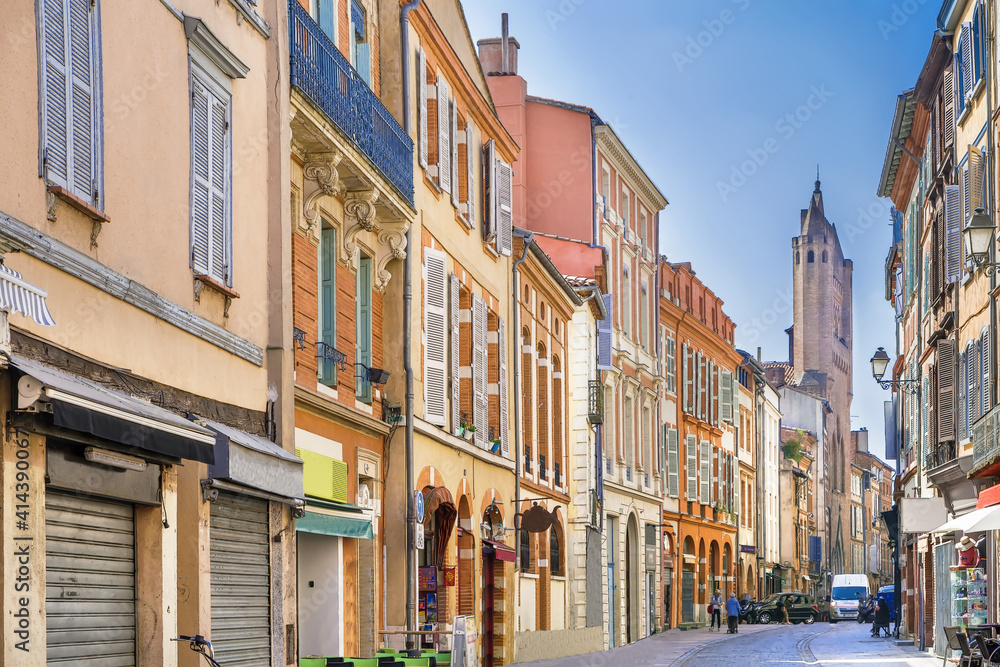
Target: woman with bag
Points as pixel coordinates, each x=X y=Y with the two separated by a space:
x=715 y=609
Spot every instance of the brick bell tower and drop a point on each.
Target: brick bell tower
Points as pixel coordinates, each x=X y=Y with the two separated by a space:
x=821 y=345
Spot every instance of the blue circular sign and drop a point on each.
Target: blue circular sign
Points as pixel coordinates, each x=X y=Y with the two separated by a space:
x=418 y=506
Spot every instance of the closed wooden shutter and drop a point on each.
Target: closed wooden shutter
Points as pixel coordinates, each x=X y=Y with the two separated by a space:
x=328 y=301
x=727 y=396
x=422 y=88
x=972 y=395
x=241 y=580
x=977 y=178
x=966 y=47
x=71 y=108
x=435 y=335
x=946 y=390
x=961 y=406
x=470 y=167
x=673 y=463
x=453 y=141
x=504 y=216
x=489 y=192
x=948 y=105
x=327 y=19
x=671 y=365
x=209 y=181
x=713 y=381
x=444 y=135
x=685 y=380
x=363 y=327
x=604 y=339
x=480 y=379
x=456 y=383
x=363 y=61
x=953 y=233
x=985 y=365
x=691 y=468
x=502 y=365
x=90 y=590
x=705 y=459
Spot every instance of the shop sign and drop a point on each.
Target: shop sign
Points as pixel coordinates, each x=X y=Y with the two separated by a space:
x=427 y=578
x=748 y=549
x=418 y=536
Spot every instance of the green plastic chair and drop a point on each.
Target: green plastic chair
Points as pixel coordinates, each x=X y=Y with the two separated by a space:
x=416 y=662
x=443 y=659
x=364 y=662
x=386 y=651
x=312 y=662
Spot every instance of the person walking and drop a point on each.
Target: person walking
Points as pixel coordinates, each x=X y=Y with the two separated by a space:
x=715 y=608
x=733 y=614
x=783 y=609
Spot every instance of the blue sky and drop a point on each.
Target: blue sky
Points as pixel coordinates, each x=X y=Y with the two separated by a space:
x=695 y=89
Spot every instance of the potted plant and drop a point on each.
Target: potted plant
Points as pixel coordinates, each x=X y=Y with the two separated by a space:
x=470 y=430
x=462 y=425
x=495 y=447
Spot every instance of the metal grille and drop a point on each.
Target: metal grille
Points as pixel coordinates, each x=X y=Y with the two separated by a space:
x=595 y=402
x=90 y=581
x=241 y=581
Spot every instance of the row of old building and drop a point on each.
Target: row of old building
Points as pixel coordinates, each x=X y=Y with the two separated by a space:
x=940 y=175
x=323 y=333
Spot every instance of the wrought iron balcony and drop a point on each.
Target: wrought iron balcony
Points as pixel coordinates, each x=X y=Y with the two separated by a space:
x=595 y=402
x=322 y=73
x=299 y=337
x=328 y=352
x=938 y=455
x=986 y=440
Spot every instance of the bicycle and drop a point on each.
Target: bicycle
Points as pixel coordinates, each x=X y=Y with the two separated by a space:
x=199 y=644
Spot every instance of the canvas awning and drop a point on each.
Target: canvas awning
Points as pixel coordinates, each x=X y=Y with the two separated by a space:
x=336 y=520
x=255 y=462
x=17 y=295
x=88 y=407
x=502 y=551
x=976 y=521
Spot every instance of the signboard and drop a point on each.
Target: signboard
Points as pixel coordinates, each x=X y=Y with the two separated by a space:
x=418 y=506
x=464 y=649
x=448 y=578
x=748 y=549
x=427 y=578
x=418 y=536
x=921 y=515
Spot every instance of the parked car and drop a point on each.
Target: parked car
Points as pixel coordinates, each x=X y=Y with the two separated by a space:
x=801 y=608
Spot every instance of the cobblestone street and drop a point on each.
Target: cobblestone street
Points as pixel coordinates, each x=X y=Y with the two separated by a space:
x=843 y=644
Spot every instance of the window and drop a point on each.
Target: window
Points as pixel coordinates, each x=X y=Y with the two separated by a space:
x=673 y=463
x=626 y=206
x=324 y=12
x=609 y=432
x=626 y=303
x=555 y=551
x=646 y=234
x=328 y=304
x=628 y=440
x=211 y=180
x=542 y=409
x=435 y=328
x=824 y=257
x=644 y=317
x=558 y=469
x=606 y=190
x=72 y=150
x=647 y=439
x=527 y=398
x=525 y=547
x=810 y=258
x=671 y=364
x=362 y=47
x=363 y=329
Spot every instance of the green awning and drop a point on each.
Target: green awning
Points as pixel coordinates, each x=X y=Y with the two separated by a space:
x=323 y=520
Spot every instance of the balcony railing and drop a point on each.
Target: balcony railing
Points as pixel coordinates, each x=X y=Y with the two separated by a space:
x=595 y=402
x=322 y=73
x=939 y=454
x=986 y=439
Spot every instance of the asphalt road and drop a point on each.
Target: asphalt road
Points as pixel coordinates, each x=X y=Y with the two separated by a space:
x=840 y=645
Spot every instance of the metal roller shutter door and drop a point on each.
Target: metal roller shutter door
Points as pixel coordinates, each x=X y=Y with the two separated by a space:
x=90 y=581
x=241 y=581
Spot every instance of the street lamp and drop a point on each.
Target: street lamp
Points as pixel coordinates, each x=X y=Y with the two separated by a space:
x=879 y=363
x=978 y=239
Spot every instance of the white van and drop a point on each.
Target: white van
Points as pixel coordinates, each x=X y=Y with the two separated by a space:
x=847 y=591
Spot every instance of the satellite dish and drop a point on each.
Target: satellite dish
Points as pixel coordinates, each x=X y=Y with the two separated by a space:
x=28 y=391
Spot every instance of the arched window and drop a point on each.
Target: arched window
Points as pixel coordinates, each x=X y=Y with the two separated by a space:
x=810 y=258
x=527 y=401
x=556 y=551
x=542 y=408
x=824 y=256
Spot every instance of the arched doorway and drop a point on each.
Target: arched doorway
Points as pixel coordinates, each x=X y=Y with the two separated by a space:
x=439 y=523
x=687 y=581
x=668 y=578
x=632 y=598
x=466 y=559
x=713 y=569
x=702 y=599
x=727 y=568
x=491 y=528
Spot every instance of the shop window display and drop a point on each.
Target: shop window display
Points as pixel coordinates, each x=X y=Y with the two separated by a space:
x=968 y=586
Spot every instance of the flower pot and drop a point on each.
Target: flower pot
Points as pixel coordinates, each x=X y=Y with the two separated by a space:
x=469 y=435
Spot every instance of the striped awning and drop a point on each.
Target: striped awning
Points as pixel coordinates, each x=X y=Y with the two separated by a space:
x=19 y=296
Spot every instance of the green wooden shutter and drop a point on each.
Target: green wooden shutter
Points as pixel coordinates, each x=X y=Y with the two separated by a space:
x=328 y=302
x=363 y=327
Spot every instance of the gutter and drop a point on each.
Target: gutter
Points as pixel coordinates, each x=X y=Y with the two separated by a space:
x=411 y=552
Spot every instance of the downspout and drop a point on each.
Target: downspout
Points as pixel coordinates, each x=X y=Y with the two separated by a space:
x=411 y=552
x=529 y=238
x=992 y=363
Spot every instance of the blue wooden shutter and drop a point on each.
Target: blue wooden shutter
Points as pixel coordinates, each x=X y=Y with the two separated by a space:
x=328 y=301
x=953 y=233
x=946 y=390
x=327 y=19
x=56 y=111
x=984 y=358
x=604 y=337
x=363 y=61
x=363 y=327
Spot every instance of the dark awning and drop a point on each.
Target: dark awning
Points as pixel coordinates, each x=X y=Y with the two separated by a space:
x=502 y=551
x=256 y=462
x=88 y=407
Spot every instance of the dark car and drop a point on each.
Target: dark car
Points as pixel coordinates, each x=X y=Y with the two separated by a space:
x=801 y=608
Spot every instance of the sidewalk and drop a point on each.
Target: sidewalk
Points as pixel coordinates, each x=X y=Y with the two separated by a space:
x=664 y=648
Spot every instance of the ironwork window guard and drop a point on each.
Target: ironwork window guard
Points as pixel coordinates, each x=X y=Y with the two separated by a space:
x=595 y=402
x=299 y=337
x=321 y=72
x=543 y=472
x=330 y=353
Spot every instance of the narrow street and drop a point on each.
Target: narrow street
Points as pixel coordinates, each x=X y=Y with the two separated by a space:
x=843 y=644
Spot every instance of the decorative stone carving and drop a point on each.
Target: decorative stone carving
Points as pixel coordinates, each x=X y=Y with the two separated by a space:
x=359 y=216
x=321 y=169
x=51 y=204
x=391 y=245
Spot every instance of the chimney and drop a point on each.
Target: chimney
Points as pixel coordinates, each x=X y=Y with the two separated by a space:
x=758 y=353
x=498 y=55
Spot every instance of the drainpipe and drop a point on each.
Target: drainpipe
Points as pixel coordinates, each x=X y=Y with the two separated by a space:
x=411 y=552
x=529 y=238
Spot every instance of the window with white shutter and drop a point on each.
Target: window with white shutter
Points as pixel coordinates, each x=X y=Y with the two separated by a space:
x=453 y=140
x=72 y=145
x=489 y=192
x=984 y=365
x=673 y=463
x=505 y=209
x=671 y=364
x=480 y=368
x=211 y=183
x=435 y=336
x=604 y=358
x=444 y=134
x=422 y=92
x=470 y=167
x=502 y=364
x=691 y=468
x=705 y=458
x=456 y=383
x=726 y=386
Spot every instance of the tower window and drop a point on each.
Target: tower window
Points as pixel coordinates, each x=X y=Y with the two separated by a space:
x=798 y=258
x=824 y=256
x=810 y=258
